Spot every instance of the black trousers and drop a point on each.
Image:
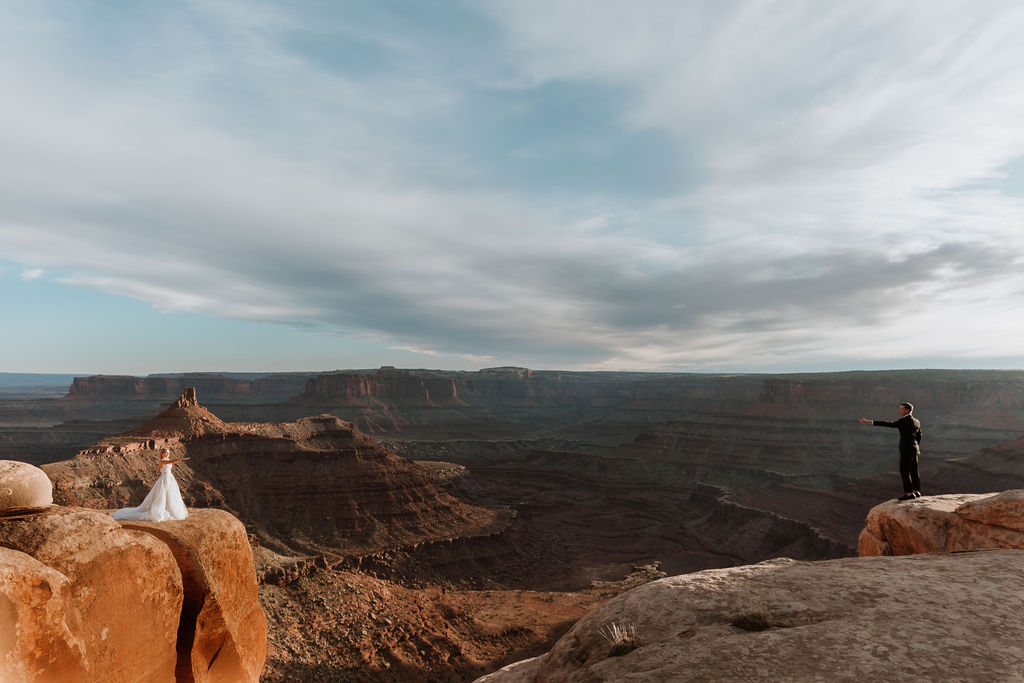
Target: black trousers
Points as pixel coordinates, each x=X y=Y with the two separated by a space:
x=908 y=471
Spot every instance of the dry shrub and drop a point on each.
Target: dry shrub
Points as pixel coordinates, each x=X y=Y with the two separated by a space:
x=752 y=617
x=623 y=638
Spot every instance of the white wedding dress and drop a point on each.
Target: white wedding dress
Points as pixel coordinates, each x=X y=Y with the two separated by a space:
x=162 y=503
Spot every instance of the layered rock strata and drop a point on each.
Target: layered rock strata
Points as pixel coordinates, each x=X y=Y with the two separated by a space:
x=316 y=485
x=812 y=411
x=927 y=617
x=942 y=523
x=270 y=388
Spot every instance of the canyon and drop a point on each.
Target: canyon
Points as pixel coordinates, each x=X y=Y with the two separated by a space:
x=492 y=509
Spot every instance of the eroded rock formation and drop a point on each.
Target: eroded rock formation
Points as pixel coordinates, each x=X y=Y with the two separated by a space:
x=124 y=592
x=942 y=523
x=84 y=598
x=315 y=485
x=927 y=617
x=222 y=633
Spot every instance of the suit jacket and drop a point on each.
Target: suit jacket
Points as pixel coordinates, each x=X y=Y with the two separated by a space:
x=910 y=432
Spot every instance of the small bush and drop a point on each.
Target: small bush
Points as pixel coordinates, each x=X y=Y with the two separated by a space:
x=753 y=618
x=623 y=638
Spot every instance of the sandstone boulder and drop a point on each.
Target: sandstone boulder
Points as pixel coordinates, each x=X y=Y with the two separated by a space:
x=944 y=523
x=40 y=634
x=23 y=486
x=223 y=635
x=83 y=598
x=1004 y=509
x=928 y=617
x=124 y=586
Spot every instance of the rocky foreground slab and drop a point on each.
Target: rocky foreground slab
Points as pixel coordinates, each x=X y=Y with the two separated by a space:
x=948 y=609
x=928 y=617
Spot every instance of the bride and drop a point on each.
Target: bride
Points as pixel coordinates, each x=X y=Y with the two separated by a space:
x=163 y=502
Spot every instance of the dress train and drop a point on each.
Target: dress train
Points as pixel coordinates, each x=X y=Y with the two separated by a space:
x=162 y=503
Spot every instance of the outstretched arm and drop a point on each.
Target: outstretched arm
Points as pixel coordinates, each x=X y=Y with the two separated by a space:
x=865 y=421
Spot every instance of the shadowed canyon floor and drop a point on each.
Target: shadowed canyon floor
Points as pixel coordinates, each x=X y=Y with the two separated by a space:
x=485 y=504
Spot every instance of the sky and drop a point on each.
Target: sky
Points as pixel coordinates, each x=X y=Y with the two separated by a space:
x=721 y=186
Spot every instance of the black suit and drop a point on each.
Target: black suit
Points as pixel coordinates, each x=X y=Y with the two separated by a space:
x=910 y=449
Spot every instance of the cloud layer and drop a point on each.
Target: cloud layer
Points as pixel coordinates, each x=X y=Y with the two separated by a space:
x=649 y=185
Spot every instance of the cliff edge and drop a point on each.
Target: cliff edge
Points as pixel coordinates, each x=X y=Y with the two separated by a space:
x=944 y=523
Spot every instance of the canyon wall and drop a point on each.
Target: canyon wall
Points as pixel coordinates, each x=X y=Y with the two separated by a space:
x=216 y=388
x=484 y=388
x=749 y=429
x=968 y=393
x=791 y=416
x=514 y=397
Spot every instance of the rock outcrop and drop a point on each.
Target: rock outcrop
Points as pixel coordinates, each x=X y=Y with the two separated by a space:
x=316 y=485
x=927 y=617
x=222 y=634
x=943 y=523
x=83 y=597
x=1004 y=509
x=124 y=592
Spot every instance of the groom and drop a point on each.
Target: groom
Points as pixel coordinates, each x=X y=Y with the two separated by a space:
x=910 y=448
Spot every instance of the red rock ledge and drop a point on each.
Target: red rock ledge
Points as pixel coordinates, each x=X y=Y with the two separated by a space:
x=83 y=597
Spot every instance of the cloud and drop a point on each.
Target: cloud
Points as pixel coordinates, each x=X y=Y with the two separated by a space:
x=31 y=273
x=416 y=350
x=471 y=186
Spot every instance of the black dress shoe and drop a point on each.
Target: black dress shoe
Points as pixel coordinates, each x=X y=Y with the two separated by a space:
x=907 y=496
